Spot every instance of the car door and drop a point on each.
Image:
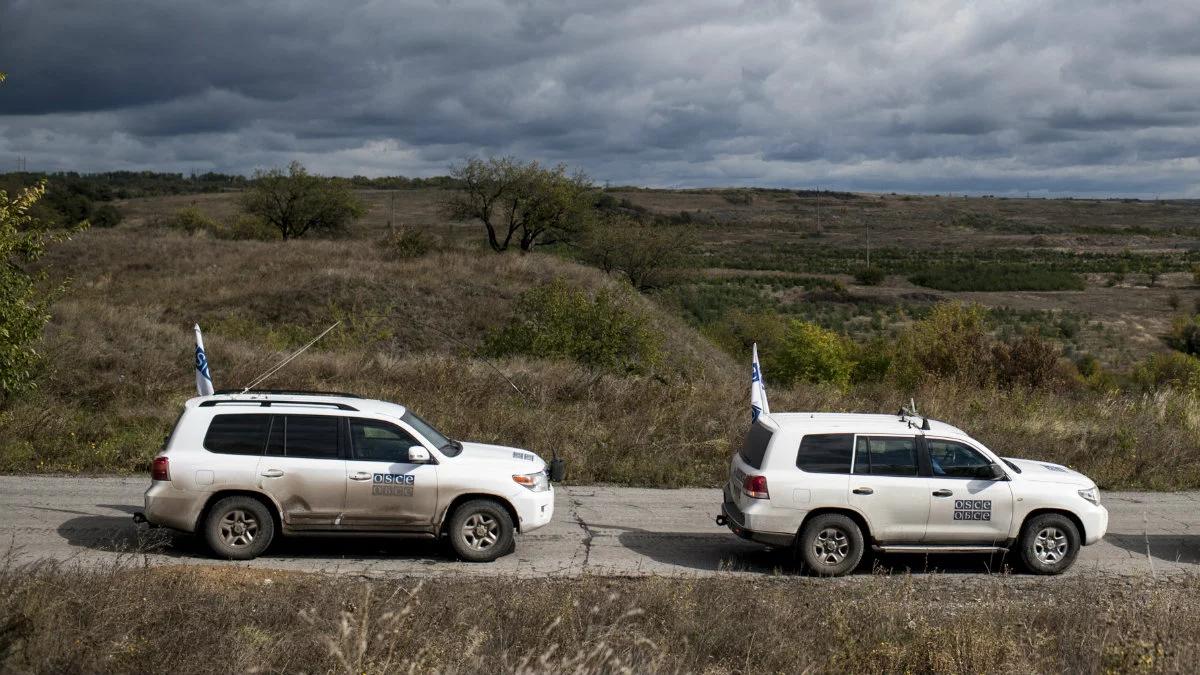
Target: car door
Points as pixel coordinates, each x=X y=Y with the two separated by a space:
x=965 y=509
x=384 y=490
x=888 y=488
x=303 y=470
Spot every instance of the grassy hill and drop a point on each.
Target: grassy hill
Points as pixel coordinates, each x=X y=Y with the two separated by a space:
x=119 y=346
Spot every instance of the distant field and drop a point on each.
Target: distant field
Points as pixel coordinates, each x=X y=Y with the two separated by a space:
x=119 y=345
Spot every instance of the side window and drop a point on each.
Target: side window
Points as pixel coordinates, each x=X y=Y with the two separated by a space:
x=237 y=434
x=379 y=441
x=755 y=448
x=313 y=436
x=954 y=460
x=825 y=453
x=886 y=456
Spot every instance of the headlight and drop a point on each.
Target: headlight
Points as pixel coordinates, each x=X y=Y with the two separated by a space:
x=1091 y=494
x=538 y=482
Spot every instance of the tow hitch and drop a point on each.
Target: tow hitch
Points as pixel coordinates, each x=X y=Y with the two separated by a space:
x=722 y=521
x=139 y=518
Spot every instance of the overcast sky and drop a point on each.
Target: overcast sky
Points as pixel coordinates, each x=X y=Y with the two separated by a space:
x=1044 y=96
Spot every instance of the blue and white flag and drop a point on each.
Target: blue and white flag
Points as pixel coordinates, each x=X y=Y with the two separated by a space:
x=758 y=390
x=204 y=385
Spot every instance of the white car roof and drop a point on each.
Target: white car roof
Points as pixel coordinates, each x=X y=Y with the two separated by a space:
x=858 y=423
x=305 y=401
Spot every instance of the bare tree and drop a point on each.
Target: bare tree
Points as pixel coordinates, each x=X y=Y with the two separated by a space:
x=522 y=201
x=297 y=202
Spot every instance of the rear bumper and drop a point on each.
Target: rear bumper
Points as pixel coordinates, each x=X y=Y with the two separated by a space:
x=169 y=507
x=735 y=520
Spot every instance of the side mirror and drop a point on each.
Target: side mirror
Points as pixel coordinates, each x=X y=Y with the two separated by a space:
x=417 y=455
x=992 y=472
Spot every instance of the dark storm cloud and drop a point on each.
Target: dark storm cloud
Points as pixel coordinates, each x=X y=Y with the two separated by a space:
x=937 y=96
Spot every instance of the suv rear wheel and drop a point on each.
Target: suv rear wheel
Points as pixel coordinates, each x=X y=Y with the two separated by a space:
x=1049 y=544
x=481 y=531
x=239 y=528
x=831 y=545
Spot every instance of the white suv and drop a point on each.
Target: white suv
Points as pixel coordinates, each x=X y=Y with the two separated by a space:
x=832 y=484
x=239 y=469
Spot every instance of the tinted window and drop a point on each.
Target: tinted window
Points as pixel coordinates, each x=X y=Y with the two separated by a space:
x=311 y=436
x=954 y=460
x=883 y=456
x=825 y=453
x=755 y=448
x=237 y=434
x=380 y=441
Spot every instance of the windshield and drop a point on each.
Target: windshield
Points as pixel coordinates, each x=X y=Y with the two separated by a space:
x=447 y=446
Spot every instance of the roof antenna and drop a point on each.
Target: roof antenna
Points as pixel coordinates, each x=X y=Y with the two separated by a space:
x=288 y=360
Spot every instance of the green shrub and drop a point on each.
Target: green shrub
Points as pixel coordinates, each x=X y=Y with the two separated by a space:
x=406 y=243
x=191 y=220
x=244 y=227
x=997 y=277
x=950 y=343
x=1168 y=369
x=106 y=215
x=872 y=361
x=869 y=276
x=602 y=331
x=816 y=355
x=1185 y=335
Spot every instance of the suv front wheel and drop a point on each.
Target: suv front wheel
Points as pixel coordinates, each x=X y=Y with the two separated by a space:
x=239 y=528
x=831 y=545
x=481 y=531
x=1049 y=544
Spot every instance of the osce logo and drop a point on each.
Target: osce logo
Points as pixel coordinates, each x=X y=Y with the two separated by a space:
x=972 y=509
x=393 y=485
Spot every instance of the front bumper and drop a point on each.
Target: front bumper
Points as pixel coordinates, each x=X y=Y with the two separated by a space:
x=1095 y=523
x=534 y=509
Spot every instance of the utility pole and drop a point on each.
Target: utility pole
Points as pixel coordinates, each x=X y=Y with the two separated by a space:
x=818 y=209
x=392 y=212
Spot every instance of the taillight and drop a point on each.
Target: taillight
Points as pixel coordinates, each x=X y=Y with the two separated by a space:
x=756 y=486
x=161 y=469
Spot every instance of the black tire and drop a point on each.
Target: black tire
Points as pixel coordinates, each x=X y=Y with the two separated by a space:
x=831 y=545
x=1048 y=544
x=239 y=528
x=481 y=531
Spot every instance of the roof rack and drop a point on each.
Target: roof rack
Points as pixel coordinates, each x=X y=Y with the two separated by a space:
x=268 y=404
x=284 y=392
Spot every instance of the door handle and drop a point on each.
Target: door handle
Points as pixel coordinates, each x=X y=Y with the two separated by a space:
x=273 y=473
x=863 y=491
x=360 y=475
x=942 y=493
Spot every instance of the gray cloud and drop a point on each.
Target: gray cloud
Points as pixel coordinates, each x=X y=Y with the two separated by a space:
x=1043 y=97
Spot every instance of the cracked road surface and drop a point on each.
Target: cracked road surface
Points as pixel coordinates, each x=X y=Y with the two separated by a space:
x=596 y=530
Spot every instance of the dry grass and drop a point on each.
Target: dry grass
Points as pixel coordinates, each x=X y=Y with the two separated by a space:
x=119 y=365
x=130 y=619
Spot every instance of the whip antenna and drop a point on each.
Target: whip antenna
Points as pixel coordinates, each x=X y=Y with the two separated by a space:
x=288 y=360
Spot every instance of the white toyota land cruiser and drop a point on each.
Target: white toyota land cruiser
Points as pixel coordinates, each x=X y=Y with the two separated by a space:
x=239 y=469
x=832 y=484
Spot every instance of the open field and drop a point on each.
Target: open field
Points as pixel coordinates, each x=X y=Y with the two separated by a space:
x=118 y=348
x=596 y=531
x=126 y=618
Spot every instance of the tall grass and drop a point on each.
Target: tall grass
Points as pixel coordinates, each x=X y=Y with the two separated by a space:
x=129 y=619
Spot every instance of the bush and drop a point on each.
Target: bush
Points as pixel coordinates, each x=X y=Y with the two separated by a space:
x=1185 y=335
x=951 y=343
x=869 y=276
x=1169 y=369
x=244 y=227
x=106 y=215
x=992 y=277
x=406 y=243
x=816 y=355
x=647 y=255
x=602 y=331
x=191 y=220
x=1028 y=361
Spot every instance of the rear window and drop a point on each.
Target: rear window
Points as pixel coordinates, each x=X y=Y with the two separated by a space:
x=825 y=453
x=755 y=448
x=314 y=436
x=887 y=456
x=237 y=434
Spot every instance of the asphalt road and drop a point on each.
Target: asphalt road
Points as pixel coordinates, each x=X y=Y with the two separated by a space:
x=596 y=530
